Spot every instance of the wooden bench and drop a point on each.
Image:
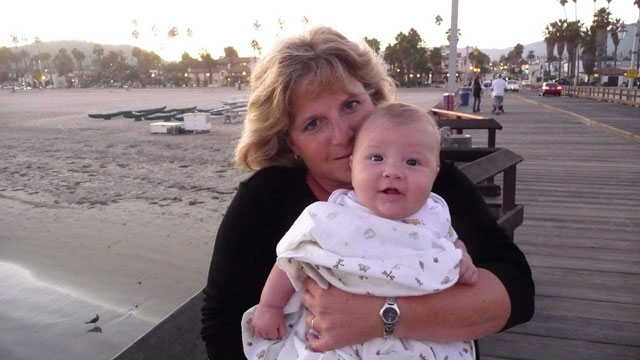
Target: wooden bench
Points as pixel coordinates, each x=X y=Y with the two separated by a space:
x=482 y=164
x=461 y=121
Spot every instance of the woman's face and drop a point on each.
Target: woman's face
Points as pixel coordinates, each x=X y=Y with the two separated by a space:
x=323 y=127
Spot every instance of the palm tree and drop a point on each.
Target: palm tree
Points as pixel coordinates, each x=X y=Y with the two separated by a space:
x=616 y=26
x=98 y=51
x=601 y=22
x=256 y=47
x=572 y=39
x=588 y=44
x=373 y=43
x=530 y=56
x=209 y=62
x=575 y=8
x=435 y=59
x=550 y=41
x=563 y=3
x=78 y=56
x=448 y=33
x=24 y=56
x=561 y=40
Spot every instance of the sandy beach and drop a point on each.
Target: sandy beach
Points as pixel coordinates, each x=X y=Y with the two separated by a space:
x=109 y=214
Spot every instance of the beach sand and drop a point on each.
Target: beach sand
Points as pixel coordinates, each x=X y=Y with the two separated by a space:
x=105 y=212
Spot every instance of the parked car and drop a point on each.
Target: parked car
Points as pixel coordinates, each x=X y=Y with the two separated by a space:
x=486 y=84
x=550 y=88
x=563 y=81
x=512 y=85
x=526 y=83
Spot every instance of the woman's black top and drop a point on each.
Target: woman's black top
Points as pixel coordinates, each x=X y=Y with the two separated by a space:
x=269 y=202
x=477 y=88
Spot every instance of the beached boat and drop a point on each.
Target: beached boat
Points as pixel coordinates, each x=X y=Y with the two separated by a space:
x=107 y=116
x=181 y=110
x=139 y=114
x=219 y=111
x=162 y=116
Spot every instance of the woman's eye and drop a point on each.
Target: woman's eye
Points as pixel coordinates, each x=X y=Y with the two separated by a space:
x=311 y=125
x=351 y=105
x=412 y=162
x=376 y=158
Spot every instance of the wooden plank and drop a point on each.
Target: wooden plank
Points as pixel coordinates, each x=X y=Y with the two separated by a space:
x=587 y=285
x=177 y=337
x=581 y=328
x=465 y=154
x=580 y=308
x=523 y=346
x=490 y=165
x=512 y=219
x=591 y=254
x=455 y=114
x=470 y=124
x=561 y=260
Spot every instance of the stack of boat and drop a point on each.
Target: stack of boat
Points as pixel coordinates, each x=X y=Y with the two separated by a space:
x=159 y=113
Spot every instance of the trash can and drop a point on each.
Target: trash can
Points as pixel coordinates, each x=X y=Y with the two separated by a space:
x=448 y=101
x=465 y=93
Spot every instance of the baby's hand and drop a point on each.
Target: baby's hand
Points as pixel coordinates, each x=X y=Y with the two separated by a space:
x=468 y=271
x=268 y=322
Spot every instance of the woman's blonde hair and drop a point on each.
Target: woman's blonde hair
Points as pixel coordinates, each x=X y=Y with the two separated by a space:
x=328 y=58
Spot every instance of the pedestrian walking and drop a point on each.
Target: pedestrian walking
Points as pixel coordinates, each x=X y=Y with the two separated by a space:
x=498 y=88
x=477 y=94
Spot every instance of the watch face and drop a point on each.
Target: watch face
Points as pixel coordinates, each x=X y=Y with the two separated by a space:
x=389 y=315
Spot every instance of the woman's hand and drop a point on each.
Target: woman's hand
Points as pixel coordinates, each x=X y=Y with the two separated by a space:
x=341 y=318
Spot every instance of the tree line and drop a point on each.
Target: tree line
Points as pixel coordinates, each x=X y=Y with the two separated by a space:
x=579 y=39
x=410 y=62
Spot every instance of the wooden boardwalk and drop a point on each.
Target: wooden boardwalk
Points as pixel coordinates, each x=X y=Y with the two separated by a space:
x=581 y=233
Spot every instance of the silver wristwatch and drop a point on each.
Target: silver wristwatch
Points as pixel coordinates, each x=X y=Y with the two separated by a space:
x=389 y=315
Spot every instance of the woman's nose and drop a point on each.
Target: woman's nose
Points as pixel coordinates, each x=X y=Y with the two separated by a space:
x=341 y=132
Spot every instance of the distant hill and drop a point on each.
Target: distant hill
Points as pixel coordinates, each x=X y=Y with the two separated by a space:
x=540 y=48
x=52 y=48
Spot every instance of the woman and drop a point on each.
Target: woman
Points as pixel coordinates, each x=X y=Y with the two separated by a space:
x=477 y=94
x=308 y=98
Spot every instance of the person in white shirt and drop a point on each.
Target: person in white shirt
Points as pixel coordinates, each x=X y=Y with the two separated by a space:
x=498 y=88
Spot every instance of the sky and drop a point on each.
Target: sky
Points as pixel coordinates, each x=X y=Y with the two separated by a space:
x=217 y=24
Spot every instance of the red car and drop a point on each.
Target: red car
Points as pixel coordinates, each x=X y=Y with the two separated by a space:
x=550 y=88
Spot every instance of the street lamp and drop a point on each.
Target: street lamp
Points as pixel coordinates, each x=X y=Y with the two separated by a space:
x=622 y=32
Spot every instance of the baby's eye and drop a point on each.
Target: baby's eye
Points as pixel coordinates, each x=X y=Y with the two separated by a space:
x=412 y=162
x=376 y=158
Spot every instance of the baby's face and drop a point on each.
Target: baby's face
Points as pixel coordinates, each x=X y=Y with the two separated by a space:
x=393 y=167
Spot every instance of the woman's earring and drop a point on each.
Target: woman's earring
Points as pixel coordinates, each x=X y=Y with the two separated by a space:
x=297 y=157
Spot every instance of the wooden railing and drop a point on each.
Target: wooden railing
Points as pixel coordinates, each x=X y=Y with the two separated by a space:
x=620 y=95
